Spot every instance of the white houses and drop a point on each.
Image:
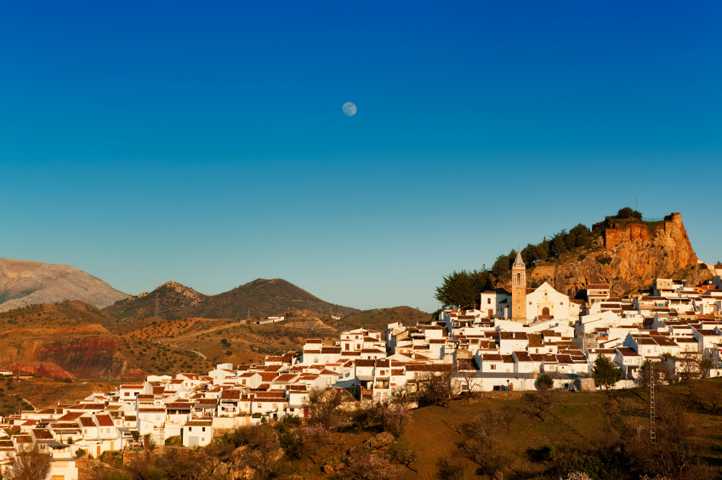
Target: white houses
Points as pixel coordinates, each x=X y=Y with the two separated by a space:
x=197 y=433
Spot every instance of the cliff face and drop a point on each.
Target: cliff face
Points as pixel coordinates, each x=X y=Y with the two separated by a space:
x=629 y=256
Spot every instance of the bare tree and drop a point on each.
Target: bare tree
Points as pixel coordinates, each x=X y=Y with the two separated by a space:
x=651 y=371
x=540 y=403
x=449 y=470
x=690 y=365
x=403 y=453
x=324 y=406
x=434 y=389
x=364 y=465
x=468 y=382
x=481 y=441
x=28 y=464
x=393 y=418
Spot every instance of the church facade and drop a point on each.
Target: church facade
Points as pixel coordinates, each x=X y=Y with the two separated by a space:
x=525 y=304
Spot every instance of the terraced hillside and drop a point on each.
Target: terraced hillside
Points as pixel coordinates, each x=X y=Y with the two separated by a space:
x=379 y=318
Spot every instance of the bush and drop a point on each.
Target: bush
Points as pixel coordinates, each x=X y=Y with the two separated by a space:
x=627 y=212
x=604 y=260
x=545 y=382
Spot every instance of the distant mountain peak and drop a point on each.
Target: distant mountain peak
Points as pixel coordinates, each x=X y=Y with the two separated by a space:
x=180 y=288
x=28 y=282
x=260 y=297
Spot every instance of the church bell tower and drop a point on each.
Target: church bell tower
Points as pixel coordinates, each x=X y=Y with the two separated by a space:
x=518 y=289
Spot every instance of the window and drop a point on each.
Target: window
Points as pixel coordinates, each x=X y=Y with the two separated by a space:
x=488 y=301
x=203 y=429
x=190 y=429
x=492 y=367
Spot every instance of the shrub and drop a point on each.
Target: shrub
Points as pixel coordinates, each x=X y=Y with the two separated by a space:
x=604 y=260
x=545 y=382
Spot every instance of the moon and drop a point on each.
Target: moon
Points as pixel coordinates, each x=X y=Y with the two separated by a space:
x=349 y=109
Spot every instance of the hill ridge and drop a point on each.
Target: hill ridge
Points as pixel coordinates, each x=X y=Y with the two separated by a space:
x=259 y=297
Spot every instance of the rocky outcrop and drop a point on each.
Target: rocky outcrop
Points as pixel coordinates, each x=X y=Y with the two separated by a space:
x=628 y=256
x=24 y=282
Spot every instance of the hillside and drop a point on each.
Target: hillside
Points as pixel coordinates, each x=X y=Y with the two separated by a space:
x=495 y=435
x=628 y=254
x=24 y=282
x=259 y=298
x=379 y=318
x=73 y=335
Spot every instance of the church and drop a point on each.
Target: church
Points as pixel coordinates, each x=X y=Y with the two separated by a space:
x=525 y=304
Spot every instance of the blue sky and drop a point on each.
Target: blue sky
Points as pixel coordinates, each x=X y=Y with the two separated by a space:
x=205 y=143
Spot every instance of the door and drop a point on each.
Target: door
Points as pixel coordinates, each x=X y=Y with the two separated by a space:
x=193 y=442
x=490 y=313
x=545 y=312
x=98 y=454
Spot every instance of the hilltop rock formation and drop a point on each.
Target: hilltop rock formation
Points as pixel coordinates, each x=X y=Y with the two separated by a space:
x=629 y=255
x=24 y=282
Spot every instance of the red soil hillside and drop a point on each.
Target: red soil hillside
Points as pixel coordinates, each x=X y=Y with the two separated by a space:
x=69 y=335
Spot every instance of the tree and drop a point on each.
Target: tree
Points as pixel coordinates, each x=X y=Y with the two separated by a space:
x=393 y=418
x=481 y=441
x=570 y=241
x=581 y=234
x=689 y=366
x=605 y=373
x=363 y=465
x=403 y=453
x=558 y=245
x=324 y=406
x=448 y=469
x=28 y=464
x=652 y=372
x=434 y=389
x=501 y=266
x=627 y=212
x=539 y=403
x=457 y=290
x=545 y=382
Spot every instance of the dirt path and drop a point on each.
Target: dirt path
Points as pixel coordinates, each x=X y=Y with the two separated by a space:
x=178 y=347
x=225 y=327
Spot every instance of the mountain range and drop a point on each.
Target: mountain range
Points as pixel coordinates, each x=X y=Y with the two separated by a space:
x=258 y=298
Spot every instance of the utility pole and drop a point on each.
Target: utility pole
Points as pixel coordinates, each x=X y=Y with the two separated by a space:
x=156 y=307
x=652 y=429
